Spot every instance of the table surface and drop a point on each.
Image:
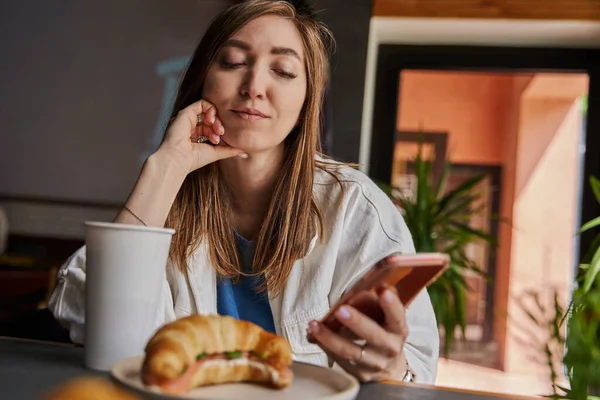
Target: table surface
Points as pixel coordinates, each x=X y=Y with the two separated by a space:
x=29 y=368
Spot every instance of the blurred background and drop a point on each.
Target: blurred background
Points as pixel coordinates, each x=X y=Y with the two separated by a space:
x=497 y=93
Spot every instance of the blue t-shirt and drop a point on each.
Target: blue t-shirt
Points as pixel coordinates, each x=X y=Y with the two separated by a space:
x=241 y=300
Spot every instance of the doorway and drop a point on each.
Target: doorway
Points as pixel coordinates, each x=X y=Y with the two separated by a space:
x=395 y=64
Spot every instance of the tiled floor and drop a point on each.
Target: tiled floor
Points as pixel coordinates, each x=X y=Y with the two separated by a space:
x=457 y=374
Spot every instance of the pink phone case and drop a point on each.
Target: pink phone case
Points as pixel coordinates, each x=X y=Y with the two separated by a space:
x=409 y=274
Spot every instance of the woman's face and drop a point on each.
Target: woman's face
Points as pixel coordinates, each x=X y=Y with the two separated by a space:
x=258 y=84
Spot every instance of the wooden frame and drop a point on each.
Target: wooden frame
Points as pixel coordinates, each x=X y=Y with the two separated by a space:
x=393 y=59
x=495 y=174
x=491 y=9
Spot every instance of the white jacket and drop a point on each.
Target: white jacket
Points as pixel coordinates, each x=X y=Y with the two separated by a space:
x=360 y=230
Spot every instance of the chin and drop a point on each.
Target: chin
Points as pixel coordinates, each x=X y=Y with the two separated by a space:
x=249 y=142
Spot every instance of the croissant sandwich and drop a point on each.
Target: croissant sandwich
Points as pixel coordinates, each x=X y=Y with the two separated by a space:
x=88 y=388
x=202 y=350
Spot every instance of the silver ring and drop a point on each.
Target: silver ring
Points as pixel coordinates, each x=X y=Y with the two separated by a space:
x=199 y=119
x=202 y=139
x=362 y=353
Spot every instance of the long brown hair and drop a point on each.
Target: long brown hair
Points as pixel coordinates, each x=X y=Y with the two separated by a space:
x=202 y=212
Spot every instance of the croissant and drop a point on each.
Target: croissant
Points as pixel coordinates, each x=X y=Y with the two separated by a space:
x=88 y=388
x=204 y=350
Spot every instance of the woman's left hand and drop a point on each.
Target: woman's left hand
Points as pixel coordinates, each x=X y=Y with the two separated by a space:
x=382 y=355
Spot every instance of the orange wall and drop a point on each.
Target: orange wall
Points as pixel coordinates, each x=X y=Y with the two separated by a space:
x=540 y=119
x=510 y=132
x=464 y=104
x=545 y=207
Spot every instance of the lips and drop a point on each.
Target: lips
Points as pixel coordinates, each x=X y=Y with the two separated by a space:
x=250 y=114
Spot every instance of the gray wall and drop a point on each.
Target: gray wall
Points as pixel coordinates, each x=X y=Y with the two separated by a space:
x=84 y=88
x=81 y=90
x=349 y=20
x=84 y=91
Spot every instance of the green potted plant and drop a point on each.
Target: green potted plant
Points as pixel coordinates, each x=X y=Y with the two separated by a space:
x=582 y=357
x=439 y=222
x=580 y=344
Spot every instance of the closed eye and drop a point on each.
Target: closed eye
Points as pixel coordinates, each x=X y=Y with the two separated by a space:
x=280 y=72
x=228 y=65
x=285 y=74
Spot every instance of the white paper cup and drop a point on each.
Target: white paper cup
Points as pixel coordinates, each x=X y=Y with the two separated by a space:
x=125 y=274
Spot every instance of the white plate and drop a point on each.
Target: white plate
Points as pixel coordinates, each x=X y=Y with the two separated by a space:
x=310 y=382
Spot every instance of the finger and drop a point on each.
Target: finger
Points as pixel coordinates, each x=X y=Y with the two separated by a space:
x=347 y=365
x=348 y=334
x=208 y=132
x=367 y=329
x=362 y=373
x=333 y=343
x=373 y=360
x=221 y=152
x=204 y=108
x=367 y=302
x=395 y=313
x=342 y=348
x=198 y=131
x=344 y=332
x=210 y=115
x=218 y=127
x=191 y=112
x=362 y=360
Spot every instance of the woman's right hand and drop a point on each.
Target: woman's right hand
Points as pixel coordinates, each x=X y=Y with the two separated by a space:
x=180 y=143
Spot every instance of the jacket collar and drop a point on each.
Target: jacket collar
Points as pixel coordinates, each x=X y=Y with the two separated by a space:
x=202 y=280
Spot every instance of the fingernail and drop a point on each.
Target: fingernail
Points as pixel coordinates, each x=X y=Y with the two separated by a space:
x=343 y=313
x=212 y=119
x=222 y=130
x=388 y=296
x=314 y=327
x=242 y=155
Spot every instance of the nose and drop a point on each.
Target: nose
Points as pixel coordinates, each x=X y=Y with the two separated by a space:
x=254 y=85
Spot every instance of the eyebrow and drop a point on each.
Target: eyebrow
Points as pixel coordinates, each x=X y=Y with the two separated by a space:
x=286 y=51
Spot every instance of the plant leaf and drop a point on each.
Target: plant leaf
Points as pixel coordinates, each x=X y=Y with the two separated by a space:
x=443 y=180
x=460 y=190
x=589 y=225
x=475 y=232
x=595 y=184
x=460 y=306
x=589 y=254
x=461 y=208
x=590 y=274
x=438 y=220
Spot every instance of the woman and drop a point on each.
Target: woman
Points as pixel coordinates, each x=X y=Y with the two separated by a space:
x=267 y=230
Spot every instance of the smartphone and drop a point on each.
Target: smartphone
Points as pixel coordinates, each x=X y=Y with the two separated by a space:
x=408 y=274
